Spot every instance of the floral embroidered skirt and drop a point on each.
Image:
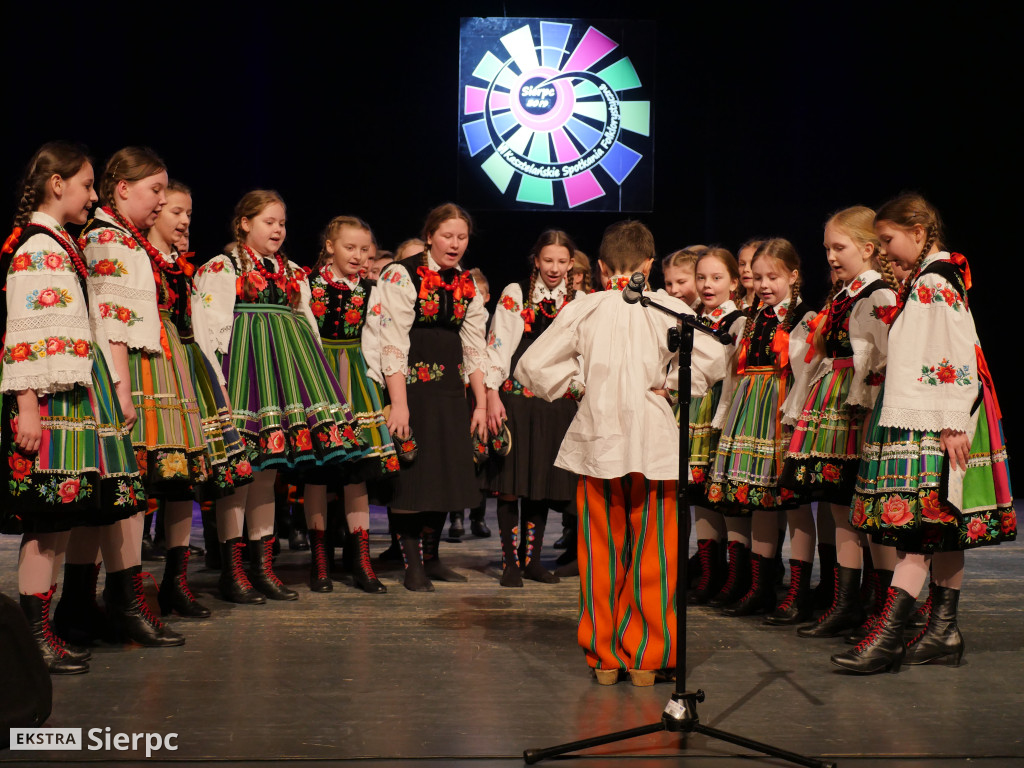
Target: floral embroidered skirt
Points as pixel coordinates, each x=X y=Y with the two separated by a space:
x=442 y=477
x=365 y=399
x=743 y=475
x=229 y=466
x=703 y=441
x=537 y=428
x=286 y=404
x=824 y=451
x=168 y=432
x=900 y=495
x=84 y=472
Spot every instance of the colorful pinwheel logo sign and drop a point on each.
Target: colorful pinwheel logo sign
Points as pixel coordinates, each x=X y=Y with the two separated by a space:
x=552 y=114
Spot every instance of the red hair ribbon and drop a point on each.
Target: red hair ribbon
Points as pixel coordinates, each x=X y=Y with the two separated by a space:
x=961 y=261
x=11 y=240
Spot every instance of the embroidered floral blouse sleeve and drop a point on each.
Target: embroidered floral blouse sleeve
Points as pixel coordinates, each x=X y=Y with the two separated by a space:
x=472 y=332
x=931 y=373
x=869 y=336
x=121 y=289
x=49 y=342
x=304 y=298
x=397 y=313
x=213 y=303
x=506 y=333
x=369 y=340
x=731 y=379
x=803 y=371
x=203 y=336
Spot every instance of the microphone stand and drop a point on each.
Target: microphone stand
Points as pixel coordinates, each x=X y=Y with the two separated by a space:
x=680 y=714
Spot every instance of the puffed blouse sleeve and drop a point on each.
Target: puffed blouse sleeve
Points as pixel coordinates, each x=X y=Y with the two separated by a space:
x=471 y=333
x=732 y=379
x=931 y=372
x=803 y=370
x=397 y=312
x=122 y=291
x=49 y=343
x=369 y=338
x=507 y=328
x=213 y=304
x=305 y=296
x=203 y=337
x=869 y=337
x=550 y=364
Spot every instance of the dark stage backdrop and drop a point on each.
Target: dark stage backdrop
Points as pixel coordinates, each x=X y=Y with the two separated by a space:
x=766 y=118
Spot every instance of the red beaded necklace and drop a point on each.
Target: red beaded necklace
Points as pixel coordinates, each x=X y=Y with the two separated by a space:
x=159 y=260
x=279 y=277
x=71 y=247
x=327 y=274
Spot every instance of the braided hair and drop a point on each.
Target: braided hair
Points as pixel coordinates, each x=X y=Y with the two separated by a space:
x=907 y=211
x=783 y=251
x=130 y=164
x=55 y=158
x=249 y=207
x=581 y=266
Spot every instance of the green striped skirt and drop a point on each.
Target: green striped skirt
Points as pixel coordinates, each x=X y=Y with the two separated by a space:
x=84 y=472
x=744 y=470
x=901 y=499
x=286 y=404
x=364 y=398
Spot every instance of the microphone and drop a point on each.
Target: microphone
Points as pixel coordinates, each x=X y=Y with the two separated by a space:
x=634 y=289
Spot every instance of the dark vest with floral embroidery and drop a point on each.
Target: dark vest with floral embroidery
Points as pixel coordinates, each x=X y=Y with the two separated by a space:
x=438 y=309
x=765 y=325
x=340 y=313
x=544 y=314
x=836 y=332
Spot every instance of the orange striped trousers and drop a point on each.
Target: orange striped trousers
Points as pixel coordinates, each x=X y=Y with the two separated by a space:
x=627 y=560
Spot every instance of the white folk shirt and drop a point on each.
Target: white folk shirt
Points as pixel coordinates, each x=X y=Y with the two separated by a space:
x=621 y=426
x=396 y=293
x=508 y=326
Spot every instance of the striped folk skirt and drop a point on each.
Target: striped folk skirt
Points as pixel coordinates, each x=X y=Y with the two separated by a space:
x=901 y=496
x=364 y=398
x=824 y=451
x=703 y=440
x=286 y=404
x=627 y=558
x=84 y=472
x=746 y=464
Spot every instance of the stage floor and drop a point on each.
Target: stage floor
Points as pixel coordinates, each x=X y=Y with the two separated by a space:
x=473 y=674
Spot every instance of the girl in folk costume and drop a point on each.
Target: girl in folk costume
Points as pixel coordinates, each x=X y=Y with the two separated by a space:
x=850 y=335
x=717 y=279
x=62 y=431
x=228 y=466
x=340 y=298
x=286 y=404
x=744 y=258
x=432 y=332
x=537 y=427
x=743 y=476
x=679 y=269
x=933 y=478
x=124 y=275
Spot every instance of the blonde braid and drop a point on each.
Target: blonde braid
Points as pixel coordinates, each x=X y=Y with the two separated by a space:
x=794 y=300
x=889 y=276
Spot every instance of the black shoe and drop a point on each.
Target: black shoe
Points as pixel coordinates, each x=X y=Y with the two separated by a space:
x=175 y=595
x=60 y=659
x=479 y=529
x=846 y=612
x=297 y=541
x=358 y=542
x=531 y=543
x=508 y=533
x=234 y=584
x=261 y=570
x=940 y=642
x=883 y=650
x=319 y=577
x=798 y=604
x=150 y=552
x=432 y=565
x=415 y=575
x=760 y=598
x=78 y=618
x=562 y=541
x=824 y=591
x=709 y=576
x=130 y=614
x=392 y=553
x=737 y=576
x=457 y=528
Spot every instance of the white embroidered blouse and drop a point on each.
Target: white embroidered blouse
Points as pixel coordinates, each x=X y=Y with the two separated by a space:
x=621 y=425
x=931 y=379
x=51 y=338
x=508 y=326
x=396 y=293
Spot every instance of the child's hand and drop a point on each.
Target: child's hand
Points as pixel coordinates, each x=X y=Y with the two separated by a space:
x=28 y=431
x=956 y=445
x=662 y=393
x=124 y=397
x=495 y=411
x=478 y=424
x=398 y=421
